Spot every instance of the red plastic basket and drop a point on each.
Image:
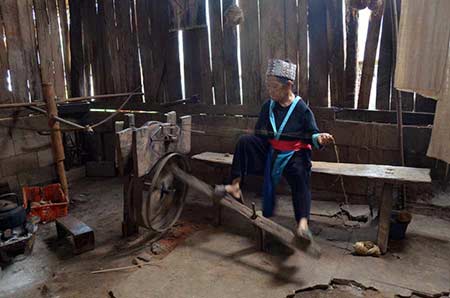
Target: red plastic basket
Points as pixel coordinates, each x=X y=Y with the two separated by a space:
x=56 y=206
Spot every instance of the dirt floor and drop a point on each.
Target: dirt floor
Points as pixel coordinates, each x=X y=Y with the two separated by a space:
x=197 y=259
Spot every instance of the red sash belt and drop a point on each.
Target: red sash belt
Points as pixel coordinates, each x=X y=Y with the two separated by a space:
x=282 y=145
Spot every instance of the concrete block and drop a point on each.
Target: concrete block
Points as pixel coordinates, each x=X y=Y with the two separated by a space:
x=45 y=157
x=29 y=141
x=38 y=176
x=6 y=144
x=19 y=163
x=12 y=182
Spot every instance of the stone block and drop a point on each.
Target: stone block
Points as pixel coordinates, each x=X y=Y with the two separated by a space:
x=19 y=163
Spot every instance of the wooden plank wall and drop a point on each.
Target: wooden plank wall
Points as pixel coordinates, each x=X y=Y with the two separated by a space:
x=121 y=46
x=35 y=49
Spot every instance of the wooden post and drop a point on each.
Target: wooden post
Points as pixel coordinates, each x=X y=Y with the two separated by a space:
x=385 y=217
x=55 y=134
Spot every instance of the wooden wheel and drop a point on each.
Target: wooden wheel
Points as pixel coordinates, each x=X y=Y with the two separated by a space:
x=161 y=204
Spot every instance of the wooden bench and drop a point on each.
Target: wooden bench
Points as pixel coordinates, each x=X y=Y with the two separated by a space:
x=389 y=175
x=83 y=235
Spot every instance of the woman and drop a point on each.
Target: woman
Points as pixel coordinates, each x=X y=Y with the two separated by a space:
x=284 y=135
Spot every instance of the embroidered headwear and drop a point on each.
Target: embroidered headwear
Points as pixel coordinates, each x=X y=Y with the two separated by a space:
x=281 y=68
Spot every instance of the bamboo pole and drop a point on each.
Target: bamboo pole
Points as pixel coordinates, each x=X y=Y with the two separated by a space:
x=57 y=144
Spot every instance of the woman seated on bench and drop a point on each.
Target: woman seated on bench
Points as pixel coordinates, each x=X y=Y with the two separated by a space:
x=284 y=135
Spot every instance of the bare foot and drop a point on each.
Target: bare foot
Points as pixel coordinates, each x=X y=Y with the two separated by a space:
x=303 y=229
x=234 y=190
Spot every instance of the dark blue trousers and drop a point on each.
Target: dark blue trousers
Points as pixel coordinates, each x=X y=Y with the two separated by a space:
x=250 y=158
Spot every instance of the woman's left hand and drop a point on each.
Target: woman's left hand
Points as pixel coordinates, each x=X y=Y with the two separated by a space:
x=325 y=139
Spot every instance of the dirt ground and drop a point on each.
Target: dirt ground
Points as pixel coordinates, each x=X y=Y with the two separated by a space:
x=197 y=259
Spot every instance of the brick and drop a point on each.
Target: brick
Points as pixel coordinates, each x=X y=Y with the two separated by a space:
x=45 y=157
x=19 y=163
x=37 y=176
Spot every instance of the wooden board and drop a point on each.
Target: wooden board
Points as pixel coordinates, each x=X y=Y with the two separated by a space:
x=49 y=45
x=16 y=58
x=385 y=60
x=217 y=51
x=318 y=57
x=272 y=39
x=392 y=173
x=197 y=69
x=351 y=27
x=336 y=51
x=370 y=53
x=291 y=32
x=250 y=54
x=76 y=50
x=302 y=48
x=232 y=88
x=62 y=8
x=27 y=31
x=5 y=94
x=424 y=104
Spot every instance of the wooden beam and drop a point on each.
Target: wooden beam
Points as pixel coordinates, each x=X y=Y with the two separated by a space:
x=336 y=51
x=250 y=53
x=351 y=27
x=370 y=52
x=318 y=58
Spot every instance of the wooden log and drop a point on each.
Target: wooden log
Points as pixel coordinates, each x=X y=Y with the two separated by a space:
x=250 y=54
x=303 y=48
x=370 y=53
x=385 y=61
x=55 y=134
x=336 y=51
x=232 y=88
x=217 y=51
x=76 y=50
x=351 y=27
x=197 y=69
x=318 y=58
